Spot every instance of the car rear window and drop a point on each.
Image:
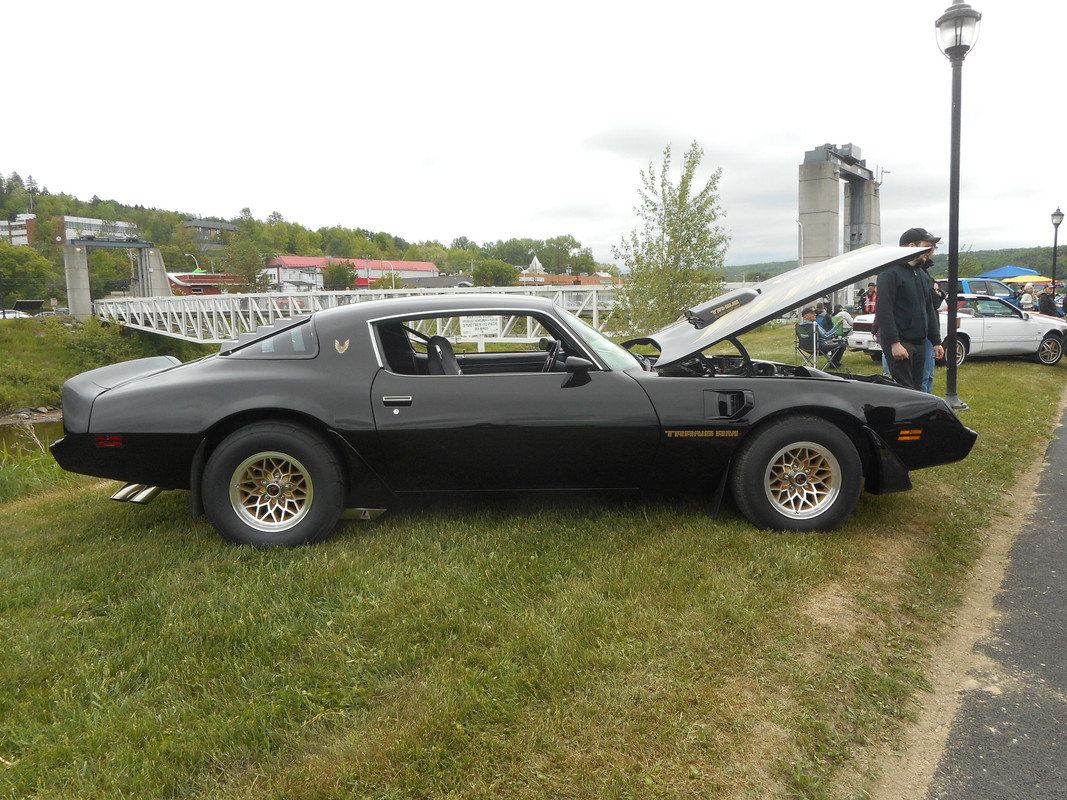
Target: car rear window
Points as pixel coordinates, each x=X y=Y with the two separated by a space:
x=296 y=341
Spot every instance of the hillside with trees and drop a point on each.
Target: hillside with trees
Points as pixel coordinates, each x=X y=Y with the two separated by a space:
x=37 y=271
x=972 y=262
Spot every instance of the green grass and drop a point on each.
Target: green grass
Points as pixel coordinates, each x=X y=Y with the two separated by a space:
x=37 y=355
x=585 y=648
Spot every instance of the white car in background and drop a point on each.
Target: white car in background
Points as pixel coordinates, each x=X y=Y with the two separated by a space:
x=986 y=326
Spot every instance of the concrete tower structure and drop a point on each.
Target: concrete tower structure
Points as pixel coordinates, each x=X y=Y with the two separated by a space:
x=820 y=203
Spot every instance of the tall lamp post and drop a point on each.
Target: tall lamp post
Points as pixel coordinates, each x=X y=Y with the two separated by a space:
x=1057 y=218
x=957 y=31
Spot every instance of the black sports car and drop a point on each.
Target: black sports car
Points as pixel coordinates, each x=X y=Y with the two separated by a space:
x=343 y=412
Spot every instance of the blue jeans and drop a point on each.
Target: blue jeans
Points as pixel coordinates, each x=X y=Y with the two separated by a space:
x=928 y=369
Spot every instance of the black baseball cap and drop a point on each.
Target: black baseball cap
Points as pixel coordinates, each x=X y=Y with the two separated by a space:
x=912 y=235
x=807 y=310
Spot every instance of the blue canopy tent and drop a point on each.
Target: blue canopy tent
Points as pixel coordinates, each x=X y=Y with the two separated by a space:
x=1007 y=272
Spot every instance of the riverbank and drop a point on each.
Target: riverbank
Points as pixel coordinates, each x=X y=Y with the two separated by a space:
x=31 y=415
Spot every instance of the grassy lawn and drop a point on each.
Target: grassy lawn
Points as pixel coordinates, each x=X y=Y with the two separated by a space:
x=588 y=648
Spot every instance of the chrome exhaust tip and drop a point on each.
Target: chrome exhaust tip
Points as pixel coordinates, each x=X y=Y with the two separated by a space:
x=146 y=495
x=136 y=493
x=126 y=492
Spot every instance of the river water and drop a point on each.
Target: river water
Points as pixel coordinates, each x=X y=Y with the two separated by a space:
x=15 y=438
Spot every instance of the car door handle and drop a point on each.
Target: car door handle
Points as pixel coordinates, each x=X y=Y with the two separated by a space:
x=393 y=401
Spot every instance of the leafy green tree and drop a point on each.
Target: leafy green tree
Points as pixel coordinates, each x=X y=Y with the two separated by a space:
x=555 y=255
x=492 y=272
x=388 y=280
x=338 y=276
x=25 y=274
x=434 y=252
x=110 y=272
x=675 y=260
x=518 y=252
x=244 y=259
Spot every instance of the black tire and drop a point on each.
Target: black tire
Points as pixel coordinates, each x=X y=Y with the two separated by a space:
x=875 y=357
x=961 y=351
x=1050 y=351
x=798 y=473
x=273 y=484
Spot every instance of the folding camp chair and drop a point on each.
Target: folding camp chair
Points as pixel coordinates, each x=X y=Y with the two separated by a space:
x=806 y=347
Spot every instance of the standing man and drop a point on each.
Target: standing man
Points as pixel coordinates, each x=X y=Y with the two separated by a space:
x=905 y=312
x=870 y=299
x=1046 y=301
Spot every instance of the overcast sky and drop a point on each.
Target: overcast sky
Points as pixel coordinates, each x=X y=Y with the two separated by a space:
x=494 y=120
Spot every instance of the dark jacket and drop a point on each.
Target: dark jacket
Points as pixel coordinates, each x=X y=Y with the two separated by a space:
x=905 y=311
x=1046 y=304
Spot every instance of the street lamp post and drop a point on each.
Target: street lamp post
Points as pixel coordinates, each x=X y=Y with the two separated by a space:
x=957 y=31
x=1057 y=218
x=190 y=255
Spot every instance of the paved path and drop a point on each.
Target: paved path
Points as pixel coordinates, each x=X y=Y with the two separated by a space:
x=1009 y=737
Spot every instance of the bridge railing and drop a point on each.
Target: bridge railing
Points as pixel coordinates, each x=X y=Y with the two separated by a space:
x=213 y=319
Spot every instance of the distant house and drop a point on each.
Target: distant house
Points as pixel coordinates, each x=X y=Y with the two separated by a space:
x=201 y=283
x=208 y=234
x=66 y=228
x=296 y=273
x=19 y=232
x=527 y=278
x=535 y=275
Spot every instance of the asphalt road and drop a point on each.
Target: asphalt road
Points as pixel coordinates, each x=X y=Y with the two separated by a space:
x=1009 y=737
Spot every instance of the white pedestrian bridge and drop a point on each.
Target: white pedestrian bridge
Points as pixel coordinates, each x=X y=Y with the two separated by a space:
x=213 y=319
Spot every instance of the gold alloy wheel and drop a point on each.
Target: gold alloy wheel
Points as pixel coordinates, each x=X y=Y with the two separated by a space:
x=271 y=491
x=803 y=480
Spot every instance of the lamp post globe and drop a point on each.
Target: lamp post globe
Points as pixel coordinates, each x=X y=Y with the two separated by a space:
x=957 y=32
x=1057 y=218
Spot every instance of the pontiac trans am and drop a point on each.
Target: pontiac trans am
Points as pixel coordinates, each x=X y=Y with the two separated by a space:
x=345 y=412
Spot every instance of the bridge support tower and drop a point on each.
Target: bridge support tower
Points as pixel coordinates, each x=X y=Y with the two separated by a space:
x=148 y=274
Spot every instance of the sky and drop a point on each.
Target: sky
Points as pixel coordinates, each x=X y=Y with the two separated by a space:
x=494 y=120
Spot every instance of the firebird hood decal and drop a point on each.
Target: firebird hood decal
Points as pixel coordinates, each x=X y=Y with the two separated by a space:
x=738 y=311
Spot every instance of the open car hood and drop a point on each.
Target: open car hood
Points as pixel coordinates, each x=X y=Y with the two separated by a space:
x=742 y=310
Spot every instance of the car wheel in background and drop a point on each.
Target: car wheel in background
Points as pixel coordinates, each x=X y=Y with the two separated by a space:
x=961 y=351
x=798 y=473
x=273 y=484
x=1050 y=351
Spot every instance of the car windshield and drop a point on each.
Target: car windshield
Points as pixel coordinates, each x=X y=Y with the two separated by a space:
x=616 y=357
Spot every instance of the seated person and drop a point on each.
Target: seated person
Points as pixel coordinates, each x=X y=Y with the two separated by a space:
x=842 y=321
x=809 y=329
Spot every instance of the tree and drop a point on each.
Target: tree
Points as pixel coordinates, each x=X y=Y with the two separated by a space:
x=388 y=280
x=675 y=260
x=25 y=274
x=338 y=276
x=555 y=255
x=492 y=272
x=243 y=258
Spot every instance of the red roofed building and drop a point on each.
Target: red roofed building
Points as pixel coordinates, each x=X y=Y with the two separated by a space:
x=304 y=273
x=189 y=283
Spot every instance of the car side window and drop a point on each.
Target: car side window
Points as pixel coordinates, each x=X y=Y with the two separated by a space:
x=994 y=308
x=471 y=344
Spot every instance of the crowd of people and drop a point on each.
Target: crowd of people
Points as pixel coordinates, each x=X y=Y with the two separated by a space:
x=905 y=301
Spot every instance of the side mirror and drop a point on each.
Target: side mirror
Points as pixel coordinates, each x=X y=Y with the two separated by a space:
x=577 y=370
